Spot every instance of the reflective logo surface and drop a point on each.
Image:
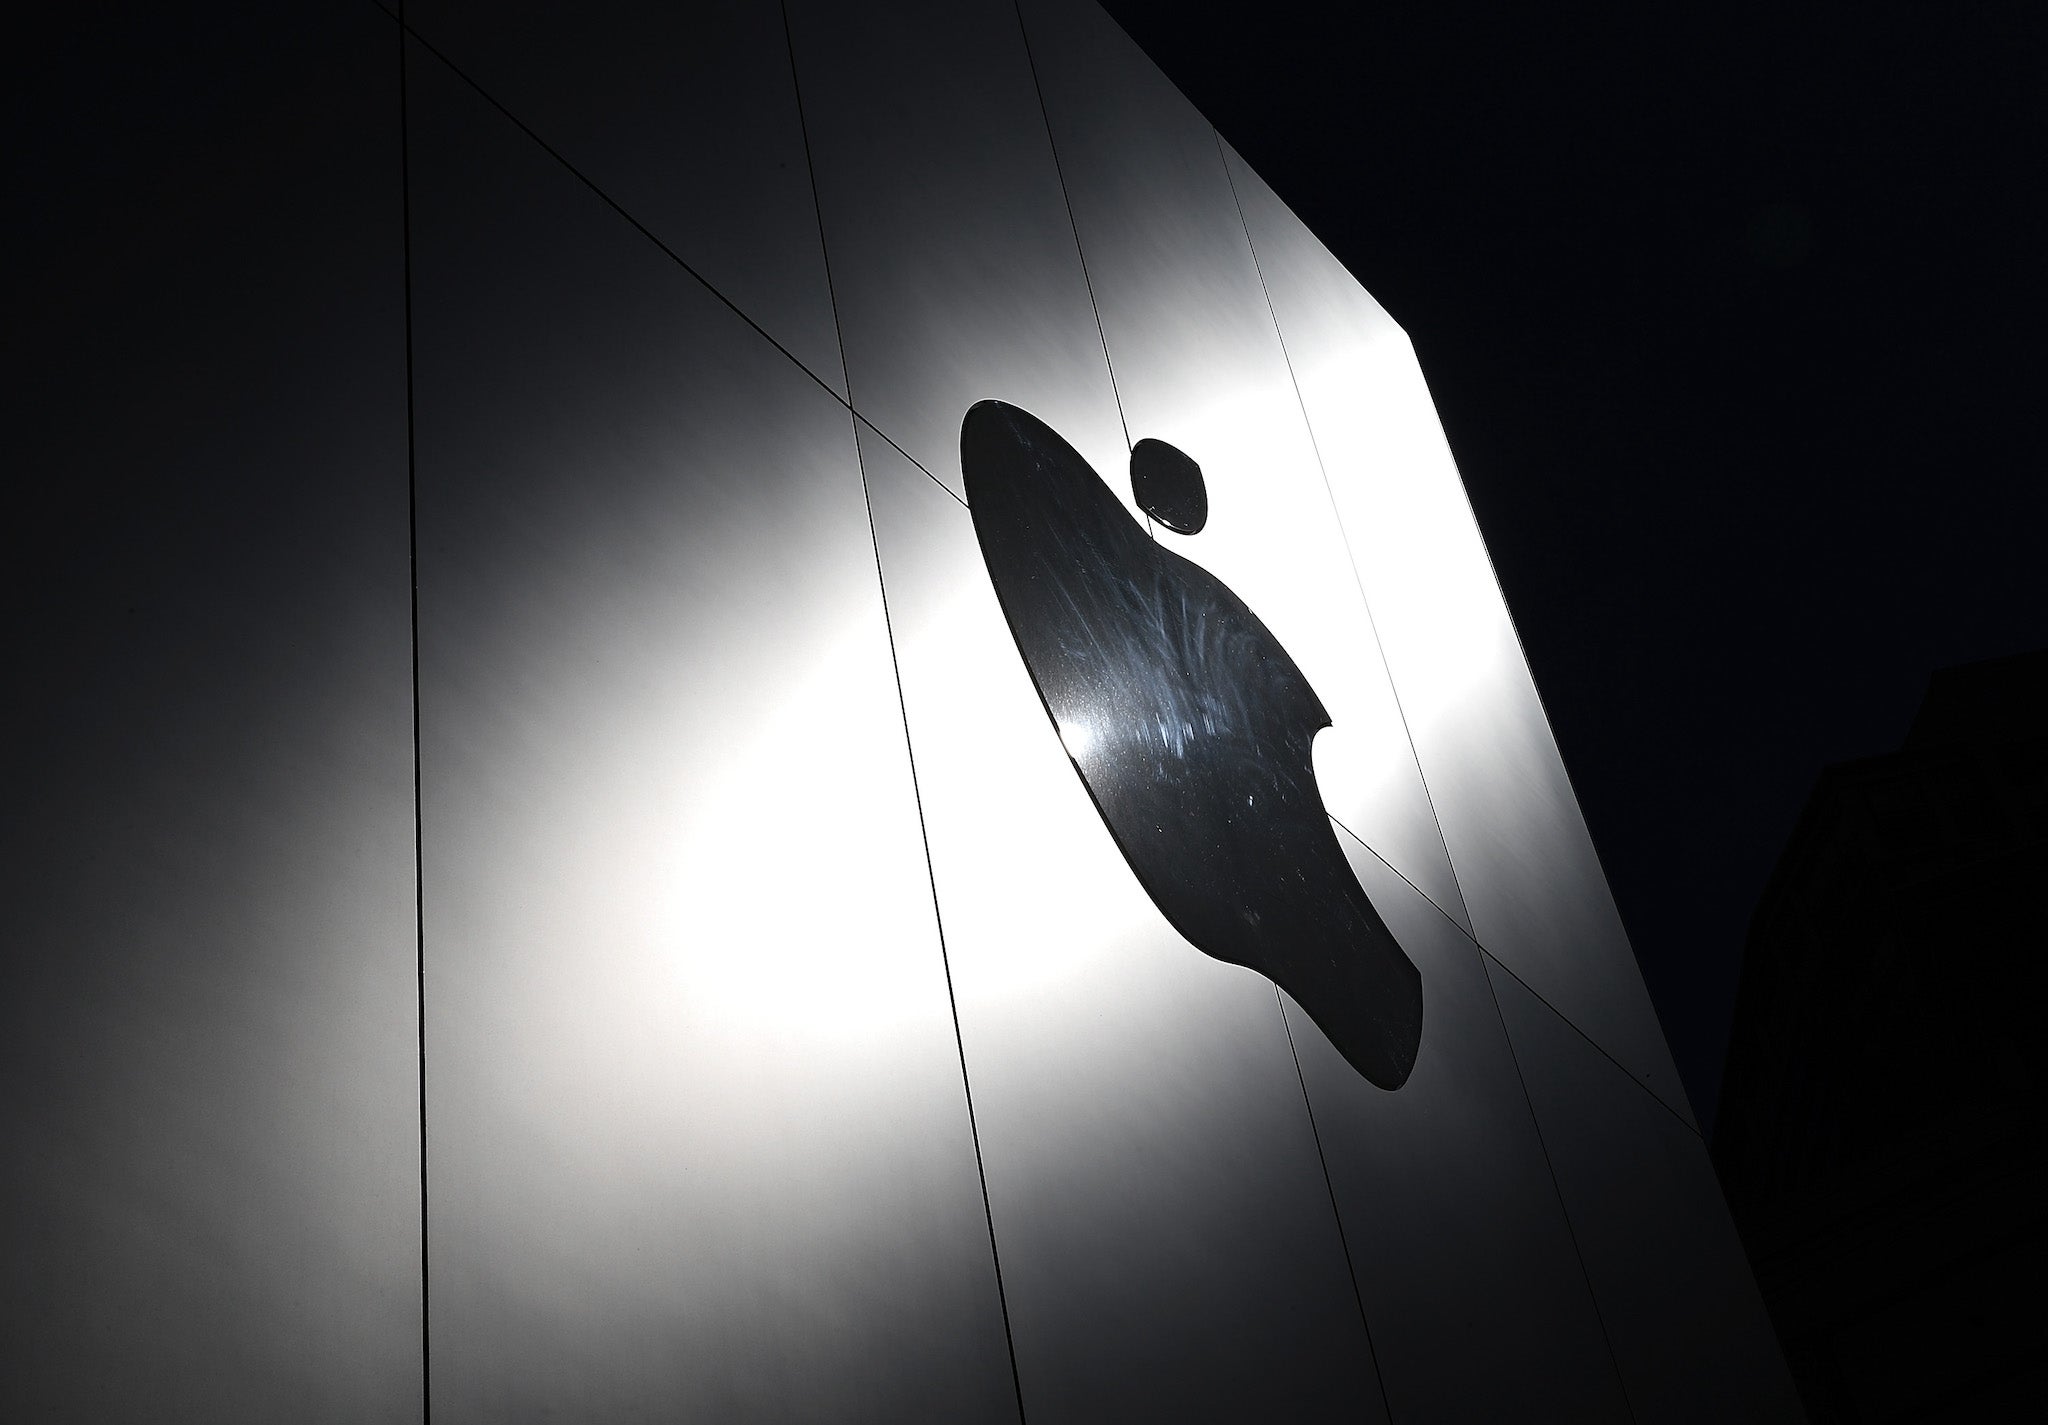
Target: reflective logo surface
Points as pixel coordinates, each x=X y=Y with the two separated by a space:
x=1189 y=725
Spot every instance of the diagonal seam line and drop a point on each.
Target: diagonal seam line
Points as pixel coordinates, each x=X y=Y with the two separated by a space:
x=844 y=402
x=1322 y=468
x=1630 y=1074
x=1522 y=1083
x=854 y=424
x=938 y=919
x=581 y=177
x=1307 y=1107
x=1336 y=1213
x=1550 y=1167
x=1440 y=910
x=1052 y=146
x=1499 y=588
x=803 y=126
x=1073 y=226
x=1472 y=939
x=412 y=542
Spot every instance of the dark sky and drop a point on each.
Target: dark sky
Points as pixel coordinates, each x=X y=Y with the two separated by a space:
x=1734 y=318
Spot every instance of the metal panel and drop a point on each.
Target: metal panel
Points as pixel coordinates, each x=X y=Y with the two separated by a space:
x=1681 y=1307
x=685 y=116
x=1199 y=365
x=1478 y=1304
x=1525 y=863
x=208 y=1082
x=699 y=1142
x=1167 y=1242
x=953 y=258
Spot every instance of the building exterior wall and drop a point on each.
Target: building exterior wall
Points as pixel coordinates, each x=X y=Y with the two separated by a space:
x=543 y=887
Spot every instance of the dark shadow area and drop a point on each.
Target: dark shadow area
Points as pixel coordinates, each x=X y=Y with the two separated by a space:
x=1733 y=318
x=1191 y=728
x=1881 y=1130
x=208 y=1012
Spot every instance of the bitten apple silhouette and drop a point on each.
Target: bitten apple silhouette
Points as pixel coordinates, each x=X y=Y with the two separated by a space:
x=1190 y=727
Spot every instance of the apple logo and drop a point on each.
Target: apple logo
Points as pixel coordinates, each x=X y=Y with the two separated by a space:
x=1190 y=727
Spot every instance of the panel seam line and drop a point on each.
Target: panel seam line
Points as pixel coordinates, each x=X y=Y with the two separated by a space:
x=412 y=540
x=1351 y=556
x=1080 y=252
x=617 y=207
x=1477 y=944
x=1336 y=1212
x=854 y=423
x=1595 y=1044
x=1571 y=1231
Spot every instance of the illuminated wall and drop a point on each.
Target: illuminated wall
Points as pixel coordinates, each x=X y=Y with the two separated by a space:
x=528 y=452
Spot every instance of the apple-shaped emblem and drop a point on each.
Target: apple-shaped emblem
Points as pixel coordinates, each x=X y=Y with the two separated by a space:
x=1190 y=727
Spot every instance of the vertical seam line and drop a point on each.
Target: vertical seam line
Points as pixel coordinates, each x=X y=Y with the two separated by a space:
x=903 y=713
x=1322 y=468
x=412 y=541
x=1073 y=226
x=1080 y=253
x=699 y=278
x=1336 y=1213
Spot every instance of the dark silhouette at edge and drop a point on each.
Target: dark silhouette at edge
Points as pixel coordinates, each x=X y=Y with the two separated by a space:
x=1883 y=1129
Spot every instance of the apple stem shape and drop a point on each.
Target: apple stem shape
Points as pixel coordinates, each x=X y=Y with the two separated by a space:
x=1189 y=725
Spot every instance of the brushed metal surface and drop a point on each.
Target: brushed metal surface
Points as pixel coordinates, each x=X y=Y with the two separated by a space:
x=953 y=258
x=1689 y=1329
x=1479 y=1308
x=1199 y=365
x=1168 y=1245
x=684 y=115
x=700 y=1146
x=208 y=1094
x=1525 y=863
